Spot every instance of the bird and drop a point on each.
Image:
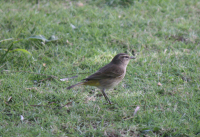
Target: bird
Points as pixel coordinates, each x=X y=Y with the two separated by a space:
x=108 y=76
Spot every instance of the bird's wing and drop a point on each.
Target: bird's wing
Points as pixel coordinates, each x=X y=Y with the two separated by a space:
x=108 y=71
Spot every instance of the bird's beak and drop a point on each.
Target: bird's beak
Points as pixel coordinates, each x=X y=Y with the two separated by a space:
x=131 y=57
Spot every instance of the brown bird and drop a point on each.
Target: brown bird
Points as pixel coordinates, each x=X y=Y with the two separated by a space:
x=108 y=76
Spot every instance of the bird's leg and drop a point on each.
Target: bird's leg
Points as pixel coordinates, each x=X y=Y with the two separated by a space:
x=106 y=97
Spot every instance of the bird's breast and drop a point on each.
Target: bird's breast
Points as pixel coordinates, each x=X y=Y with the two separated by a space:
x=110 y=82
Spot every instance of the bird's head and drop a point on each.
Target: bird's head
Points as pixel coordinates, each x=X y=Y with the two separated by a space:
x=122 y=59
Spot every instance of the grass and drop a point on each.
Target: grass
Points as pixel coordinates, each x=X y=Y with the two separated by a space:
x=164 y=36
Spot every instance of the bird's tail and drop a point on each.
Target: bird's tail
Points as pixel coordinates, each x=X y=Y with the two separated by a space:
x=81 y=83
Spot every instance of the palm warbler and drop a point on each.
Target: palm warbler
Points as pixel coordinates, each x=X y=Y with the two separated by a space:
x=108 y=76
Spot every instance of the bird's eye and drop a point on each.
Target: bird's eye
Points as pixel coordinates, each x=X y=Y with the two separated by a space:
x=126 y=57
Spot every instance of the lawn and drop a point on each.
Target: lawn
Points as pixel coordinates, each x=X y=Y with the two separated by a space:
x=43 y=42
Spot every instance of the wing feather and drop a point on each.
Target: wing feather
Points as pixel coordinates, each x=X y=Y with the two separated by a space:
x=108 y=71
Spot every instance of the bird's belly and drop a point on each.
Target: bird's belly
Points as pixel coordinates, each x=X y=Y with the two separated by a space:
x=109 y=83
x=92 y=83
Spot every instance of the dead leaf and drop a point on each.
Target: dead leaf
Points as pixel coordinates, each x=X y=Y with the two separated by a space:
x=186 y=50
x=79 y=4
x=31 y=89
x=9 y=99
x=68 y=105
x=136 y=110
x=159 y=84
x=69 y=42
x=165 y=51
x=66 y=79
x=92 y=98
x=21 y=117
